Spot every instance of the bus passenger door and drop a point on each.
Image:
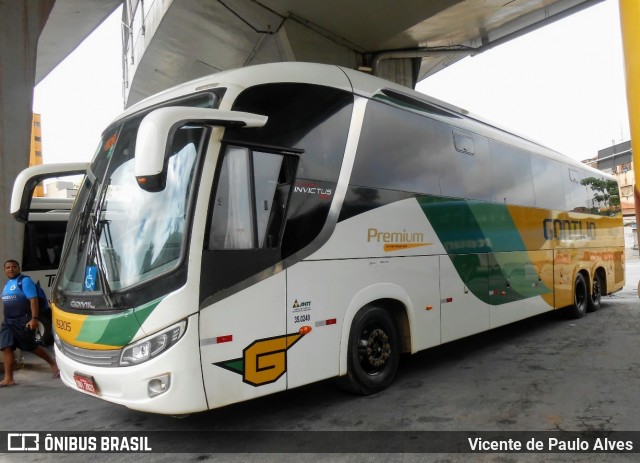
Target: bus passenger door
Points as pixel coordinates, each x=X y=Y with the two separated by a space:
x=243 y=334
x=464 y=293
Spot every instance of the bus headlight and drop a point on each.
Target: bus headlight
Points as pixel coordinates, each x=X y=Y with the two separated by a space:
x=152 y=346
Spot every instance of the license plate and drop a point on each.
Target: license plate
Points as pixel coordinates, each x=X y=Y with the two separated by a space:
x=85 y=383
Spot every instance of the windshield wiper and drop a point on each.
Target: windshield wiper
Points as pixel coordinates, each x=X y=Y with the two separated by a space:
x=82 y=216
x=93 y=222
x=102 y=274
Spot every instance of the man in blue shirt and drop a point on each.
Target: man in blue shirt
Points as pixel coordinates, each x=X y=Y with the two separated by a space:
x=20 y=300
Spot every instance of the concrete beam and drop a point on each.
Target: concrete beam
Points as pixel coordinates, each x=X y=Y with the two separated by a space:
x=69 y=23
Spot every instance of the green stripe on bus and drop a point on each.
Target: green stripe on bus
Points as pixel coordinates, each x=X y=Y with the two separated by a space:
x=455 y=224
x=118 y=329
x=497 y=226
x=475 y=234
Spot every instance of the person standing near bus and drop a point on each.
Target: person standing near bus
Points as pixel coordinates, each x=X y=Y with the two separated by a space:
x=20 y=300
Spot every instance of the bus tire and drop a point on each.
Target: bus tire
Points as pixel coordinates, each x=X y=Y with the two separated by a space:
x=595 y=296
x=373 y=352
x=44 y=331
x=580 y=297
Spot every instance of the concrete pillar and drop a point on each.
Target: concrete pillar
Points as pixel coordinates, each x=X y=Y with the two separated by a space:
x=21 y=23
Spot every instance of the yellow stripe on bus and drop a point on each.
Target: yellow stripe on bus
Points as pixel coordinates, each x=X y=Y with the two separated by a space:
x=68 y=327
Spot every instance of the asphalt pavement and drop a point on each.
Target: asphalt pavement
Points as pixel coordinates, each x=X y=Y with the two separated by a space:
x=545 y=374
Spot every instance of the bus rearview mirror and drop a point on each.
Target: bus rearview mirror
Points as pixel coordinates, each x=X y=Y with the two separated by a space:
x=28 y=179
x=158 y=127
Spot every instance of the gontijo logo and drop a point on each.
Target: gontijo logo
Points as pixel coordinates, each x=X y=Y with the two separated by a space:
x=396 y=240
x=568 y=230
x=263 y=361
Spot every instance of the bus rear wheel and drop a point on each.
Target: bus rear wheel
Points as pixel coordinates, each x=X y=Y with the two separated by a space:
x=595 y=297
x=580 y=297
x=373 y=352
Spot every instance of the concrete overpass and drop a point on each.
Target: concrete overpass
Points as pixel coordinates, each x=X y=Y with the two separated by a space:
x=404 y=41
x=172 y=41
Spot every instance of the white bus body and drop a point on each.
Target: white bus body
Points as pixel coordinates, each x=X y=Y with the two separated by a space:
x=271 y=226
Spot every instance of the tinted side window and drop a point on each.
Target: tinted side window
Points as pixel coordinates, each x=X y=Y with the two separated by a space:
x=315 y=121
x=398 y=150
x=511 y=174
x=42 y=245
x=466 y=170
x=547 y=183
x=603 y=194
x=252 y=194
x=404 y=151
x=247 y=217
x=308 y=117
x=577 y=195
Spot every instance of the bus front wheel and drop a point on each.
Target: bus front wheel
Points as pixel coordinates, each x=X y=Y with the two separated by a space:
x=373 y=352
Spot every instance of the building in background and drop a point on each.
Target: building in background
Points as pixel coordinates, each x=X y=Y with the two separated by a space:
x=64 y=188
x=617 y=160
x=55 y=188
x=35 y=154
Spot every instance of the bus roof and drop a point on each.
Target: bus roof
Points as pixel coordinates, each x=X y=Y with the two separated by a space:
x=360 y=83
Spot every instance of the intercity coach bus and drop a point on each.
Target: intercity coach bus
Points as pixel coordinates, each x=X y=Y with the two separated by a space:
x=271 y=226
x=42 y=247
x=43 y=237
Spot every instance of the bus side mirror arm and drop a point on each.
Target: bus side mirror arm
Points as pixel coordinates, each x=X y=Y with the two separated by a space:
x=156 y=130
x=28 y=179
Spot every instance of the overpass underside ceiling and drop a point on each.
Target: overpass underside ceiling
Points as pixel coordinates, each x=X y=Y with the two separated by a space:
x=200 y=37
x=69 y=23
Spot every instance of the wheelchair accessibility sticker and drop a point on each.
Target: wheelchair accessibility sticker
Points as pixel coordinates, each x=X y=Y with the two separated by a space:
x=90 y=275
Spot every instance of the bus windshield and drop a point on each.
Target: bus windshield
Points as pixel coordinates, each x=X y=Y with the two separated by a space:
x=122 y=235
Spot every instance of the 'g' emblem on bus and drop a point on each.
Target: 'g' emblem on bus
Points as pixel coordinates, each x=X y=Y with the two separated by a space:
x=263 y=361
